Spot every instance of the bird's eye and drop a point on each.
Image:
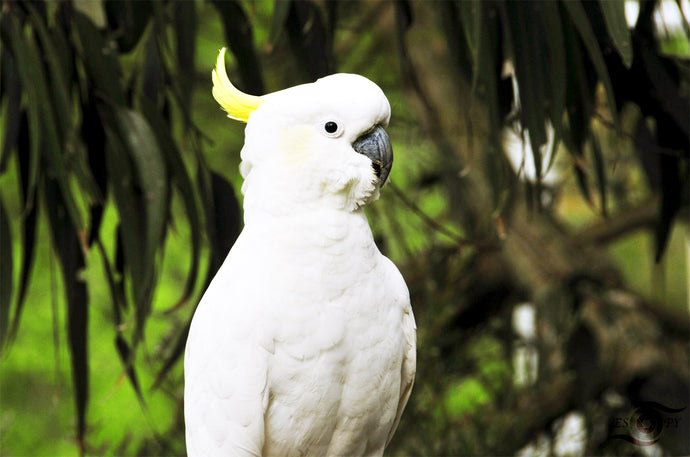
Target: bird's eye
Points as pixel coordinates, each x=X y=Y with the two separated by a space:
x=330 y=127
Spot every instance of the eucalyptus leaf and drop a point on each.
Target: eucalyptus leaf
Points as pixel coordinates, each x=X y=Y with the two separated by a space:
x=67 y=246
x=180 y=179
x=600 y=170
x=582 y=24
x=617 y=26
x=6 y=267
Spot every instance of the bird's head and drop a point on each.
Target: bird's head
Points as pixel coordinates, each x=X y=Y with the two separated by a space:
x=319 y=143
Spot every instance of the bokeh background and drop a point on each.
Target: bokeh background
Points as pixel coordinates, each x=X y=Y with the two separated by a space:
x=550 y=287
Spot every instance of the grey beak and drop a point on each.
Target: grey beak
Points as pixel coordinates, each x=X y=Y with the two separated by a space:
x=376 y=145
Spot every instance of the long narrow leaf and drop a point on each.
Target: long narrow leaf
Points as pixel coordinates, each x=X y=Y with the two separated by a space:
x=6 y=267
x=181 y=179
x=600 y=170
x=174 y=356
x=584 y=28
x=140 y=186
x=102 y=66
x=185 y=37
x=28 y=228
x=617 y=27
x=67 y=246
x=13 y=114
x=526 y=29
x=309 y=39
x=20 y=51
x=558 y=77
x=56 y=73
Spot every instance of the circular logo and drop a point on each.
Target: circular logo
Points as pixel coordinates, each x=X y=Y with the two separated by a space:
x=645 y=425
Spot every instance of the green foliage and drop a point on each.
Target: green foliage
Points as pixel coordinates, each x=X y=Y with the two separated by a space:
x=468 y=396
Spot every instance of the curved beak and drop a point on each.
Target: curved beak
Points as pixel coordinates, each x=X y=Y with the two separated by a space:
x=376 y=145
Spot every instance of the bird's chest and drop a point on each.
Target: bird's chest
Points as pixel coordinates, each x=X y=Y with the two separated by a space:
x=338 y=346
x=337 y=386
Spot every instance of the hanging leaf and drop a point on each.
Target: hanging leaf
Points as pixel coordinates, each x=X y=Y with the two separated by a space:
x=93 y=136
x=525 y=29
x=584 y=28
x=127 y=358
x=309 y=39
x=600 y=170
x=174 y=356
x=128 y=20
x=617 y=27
x=662 y=74
x=100 y=60
x=471 y=13
x=56 y=72
x=671 y=192
x=558 y=77
x=13 y=90
x=68 y=249
x=139 y=175
x=239 y=36
x=281 y=8
x=152 y=77
x=6 y=267
x=183 y=182
x=21 y=52
x=185 y=37
x=225 y=226
x=28 y=228
x=490 y=62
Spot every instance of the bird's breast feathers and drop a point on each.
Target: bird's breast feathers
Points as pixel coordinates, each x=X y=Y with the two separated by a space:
x=323 y=315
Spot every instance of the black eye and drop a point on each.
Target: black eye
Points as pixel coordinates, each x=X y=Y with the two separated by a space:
x=331 y=127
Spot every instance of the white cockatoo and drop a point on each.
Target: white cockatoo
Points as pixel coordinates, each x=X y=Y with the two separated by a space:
x=304 y=342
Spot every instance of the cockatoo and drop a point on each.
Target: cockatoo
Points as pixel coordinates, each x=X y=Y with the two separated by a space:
x=304 y=342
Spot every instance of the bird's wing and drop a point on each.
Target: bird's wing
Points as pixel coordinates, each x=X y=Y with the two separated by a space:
x=409 y=365
x=226 y=368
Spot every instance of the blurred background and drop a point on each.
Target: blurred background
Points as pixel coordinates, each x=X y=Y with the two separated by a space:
x=538 y=209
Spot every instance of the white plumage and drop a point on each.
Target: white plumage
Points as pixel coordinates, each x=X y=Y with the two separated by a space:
x=304 y=342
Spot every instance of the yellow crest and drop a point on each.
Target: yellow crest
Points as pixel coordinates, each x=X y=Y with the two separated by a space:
x=236 y=103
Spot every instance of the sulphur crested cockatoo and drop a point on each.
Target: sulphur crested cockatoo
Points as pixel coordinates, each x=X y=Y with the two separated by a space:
x=304 y=342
